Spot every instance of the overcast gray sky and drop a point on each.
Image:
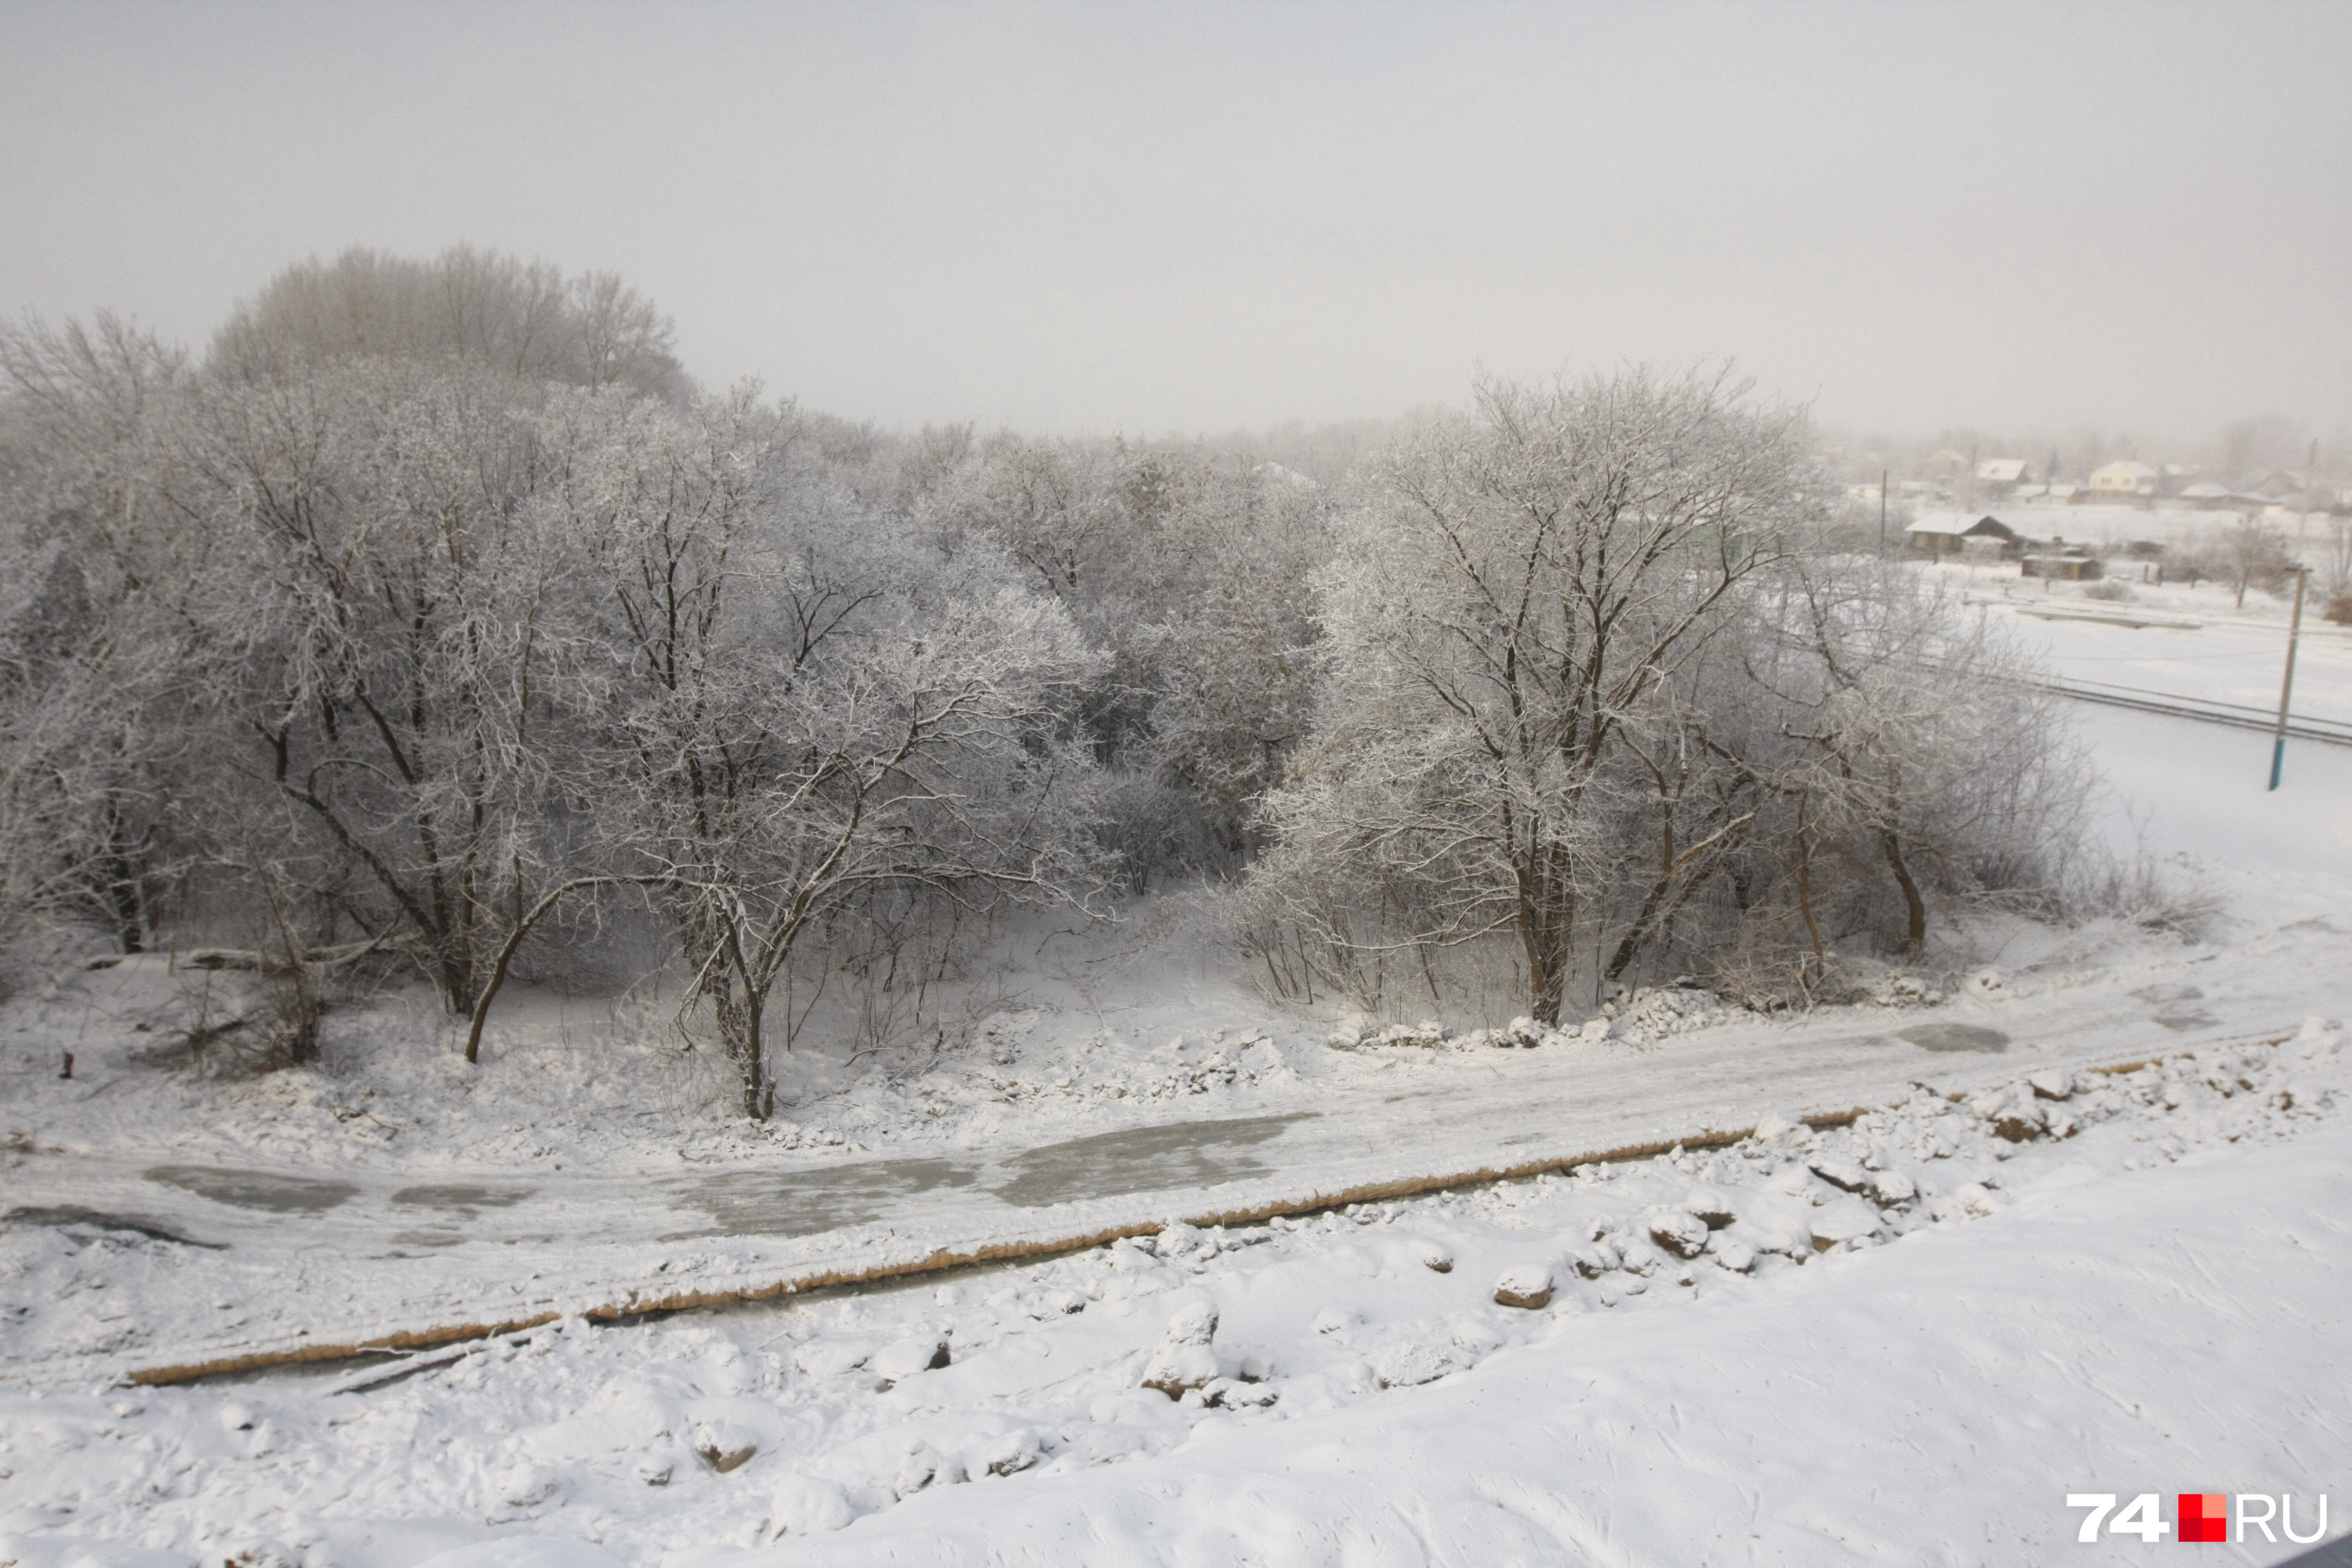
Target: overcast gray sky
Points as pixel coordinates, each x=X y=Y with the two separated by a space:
x=1203 y=215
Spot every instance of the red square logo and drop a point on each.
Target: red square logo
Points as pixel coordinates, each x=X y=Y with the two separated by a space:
x=2204 y=1515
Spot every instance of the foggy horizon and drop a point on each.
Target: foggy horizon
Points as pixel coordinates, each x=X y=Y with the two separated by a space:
x=1217 y=219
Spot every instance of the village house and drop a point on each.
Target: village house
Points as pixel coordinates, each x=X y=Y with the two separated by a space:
x=1997 y=477
x=2279 y=485
x=2122 y=480
x=2067 y=563
x=2206 y=496
x=1943 y=533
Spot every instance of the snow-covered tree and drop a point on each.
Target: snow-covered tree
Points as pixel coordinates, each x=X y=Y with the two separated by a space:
x=95 y=629
x=1916 y=745
x=527 y=321
x=396 y=630
x=814 y=706
x=1508 y=612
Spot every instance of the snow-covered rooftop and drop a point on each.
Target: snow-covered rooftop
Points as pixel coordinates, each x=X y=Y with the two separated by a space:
x=1955 y=525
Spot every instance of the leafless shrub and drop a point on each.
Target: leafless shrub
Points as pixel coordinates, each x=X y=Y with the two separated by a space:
x=2171 y=895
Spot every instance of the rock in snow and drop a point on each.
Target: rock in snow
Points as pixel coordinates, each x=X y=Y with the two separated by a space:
x=1711 y=1204
x=2051 y=1083
x=923 y=1467
x=1735 y=1256
x=724 y=1446
x=1680 y=1233
x=1011 y=1454
x=1841 y=1172
x=1527 y=1286
x=1894 y=1188
x=904 y=1358
x=1842 y=1220
x=2021 y=1128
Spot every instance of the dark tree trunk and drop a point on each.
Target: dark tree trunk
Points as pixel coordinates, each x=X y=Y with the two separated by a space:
x=1805 y=889
x=1916 y=927
x=1547 y=921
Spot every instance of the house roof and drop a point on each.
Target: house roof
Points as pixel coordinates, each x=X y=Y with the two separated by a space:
x=2125 y=468
x=2203 y=489
x=1963 y=525
x=2006 y=470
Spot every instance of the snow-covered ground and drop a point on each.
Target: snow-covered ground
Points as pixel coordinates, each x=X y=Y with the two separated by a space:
x=1903 y=1340
x=2196 y=643
x=1899 y=1340
x=2182 y=786
x=181 y=1221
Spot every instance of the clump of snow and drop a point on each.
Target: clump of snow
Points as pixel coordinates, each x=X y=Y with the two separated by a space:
x=1185 y=1359
x=809 y=1505
x=1636 y=1017
x=1656 y=1013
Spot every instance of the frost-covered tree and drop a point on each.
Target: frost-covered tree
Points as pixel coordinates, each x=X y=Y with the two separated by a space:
x=396 y=633
x=2254 y=554
x=527 y=321
x=96 y=633
x=813 y=706
x=1914 y=735
x=1229 y=661
x=1508 y=613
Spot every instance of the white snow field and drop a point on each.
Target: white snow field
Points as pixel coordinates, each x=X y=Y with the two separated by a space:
x=1899 y=1339
x=2193 y=643
x=2203 y=789
x=1905 y=1341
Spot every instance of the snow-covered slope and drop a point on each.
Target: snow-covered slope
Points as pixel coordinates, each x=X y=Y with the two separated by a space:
x=1902 y=1341
x=297 y=1213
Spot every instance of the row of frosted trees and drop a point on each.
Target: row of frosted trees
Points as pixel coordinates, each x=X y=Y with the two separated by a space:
x=434 y=619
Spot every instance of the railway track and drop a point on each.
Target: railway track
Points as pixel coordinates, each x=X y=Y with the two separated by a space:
x=2330 y=732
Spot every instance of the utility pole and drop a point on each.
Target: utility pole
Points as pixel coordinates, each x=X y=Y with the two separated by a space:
x=2286 y=687
x=2310 y=473
x=1883 y=473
